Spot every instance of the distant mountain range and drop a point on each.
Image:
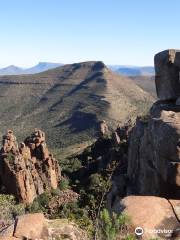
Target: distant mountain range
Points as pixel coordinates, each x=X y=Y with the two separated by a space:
x=132 y=70
x=125 y=70
x=40 y=67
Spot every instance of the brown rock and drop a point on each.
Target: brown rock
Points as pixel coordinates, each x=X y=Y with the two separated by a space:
x=31 y=226
x=103 y=129
x=176 y=207
x=30 y=170
x=151 y=214
x=35 y=226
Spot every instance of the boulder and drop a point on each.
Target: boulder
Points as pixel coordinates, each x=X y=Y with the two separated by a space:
x=28 y=170
x=153 y=214
x=167 y=67
x=30 y=226
x=35 y=226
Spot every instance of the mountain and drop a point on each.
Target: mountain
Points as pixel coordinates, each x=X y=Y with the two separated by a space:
x=133 y=70
x=69 y=101
x=11 y=70
x=40 y=67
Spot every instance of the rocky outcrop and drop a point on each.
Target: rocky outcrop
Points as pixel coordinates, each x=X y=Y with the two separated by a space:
x=149 y=191
x=167 y=67
x=28 y=170
x=36 y=226
x=154 y=215
x=154 y=153
x=154 y=150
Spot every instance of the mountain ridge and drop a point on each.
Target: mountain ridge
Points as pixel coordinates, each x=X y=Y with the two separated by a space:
x=69 y=101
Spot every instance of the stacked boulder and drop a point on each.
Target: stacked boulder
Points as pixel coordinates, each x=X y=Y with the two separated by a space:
x=28 y=170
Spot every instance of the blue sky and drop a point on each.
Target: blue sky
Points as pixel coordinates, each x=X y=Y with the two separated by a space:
x=117 y=32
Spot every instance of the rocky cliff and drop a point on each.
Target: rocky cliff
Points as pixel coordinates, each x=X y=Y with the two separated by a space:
x=154 y=153
x=149 y=190
x=29 y=169
x=154 y=150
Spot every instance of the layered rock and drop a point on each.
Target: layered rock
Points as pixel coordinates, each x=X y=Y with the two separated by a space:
x=28 y=170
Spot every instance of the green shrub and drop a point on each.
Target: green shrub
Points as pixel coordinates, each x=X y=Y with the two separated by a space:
x=10 y=157
x=109 y=226
x=9 y=208
x=72 y=211
x=40 y=203
x=129 y=237
x=55 y=192
x=64 y=184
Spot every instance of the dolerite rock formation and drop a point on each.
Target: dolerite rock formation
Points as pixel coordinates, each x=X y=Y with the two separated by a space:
x=28 y=170
x=167 y=67
x=154 y=150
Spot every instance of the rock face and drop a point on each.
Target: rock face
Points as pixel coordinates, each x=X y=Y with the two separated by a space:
x=154 y=149
x=36 y=226
x=167 y=67
x=154 y=153
x=153 y=214
x=28 y=170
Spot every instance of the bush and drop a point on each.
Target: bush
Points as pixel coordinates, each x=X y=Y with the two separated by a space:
x=10 y=157
x=129 y=237
x=64 y=184
x=9 y=208
x=55 y=192
x=72 y=211
x=110 y=226
x=40 y=203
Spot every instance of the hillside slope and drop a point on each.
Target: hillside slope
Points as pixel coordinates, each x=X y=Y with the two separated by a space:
x=67 y=102
x=147 y=83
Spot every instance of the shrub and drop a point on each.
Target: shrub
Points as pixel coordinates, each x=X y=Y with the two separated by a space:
x=40 y=203
x=110 y=226
x=10 y=157
x=55 y=192
x=64 y=184
x=129 y=237
x=9 y=208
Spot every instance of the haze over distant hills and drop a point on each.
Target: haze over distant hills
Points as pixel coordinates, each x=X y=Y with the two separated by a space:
x=68 y=102
x=125 y=70
x=132 y=70
x=40 y=67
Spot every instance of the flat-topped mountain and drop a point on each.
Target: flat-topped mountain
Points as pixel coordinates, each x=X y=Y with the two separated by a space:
x=69 y=101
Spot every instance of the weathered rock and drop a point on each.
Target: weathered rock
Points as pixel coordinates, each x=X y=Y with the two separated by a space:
x=29 y=170
x=35 y=226
x=31 y=226
x=151 y=214
x=167 y=67
x=103 y=129
x=176 y=207
x=154 y=153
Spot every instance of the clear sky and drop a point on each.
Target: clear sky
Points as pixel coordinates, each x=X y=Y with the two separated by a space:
x=127 y=32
